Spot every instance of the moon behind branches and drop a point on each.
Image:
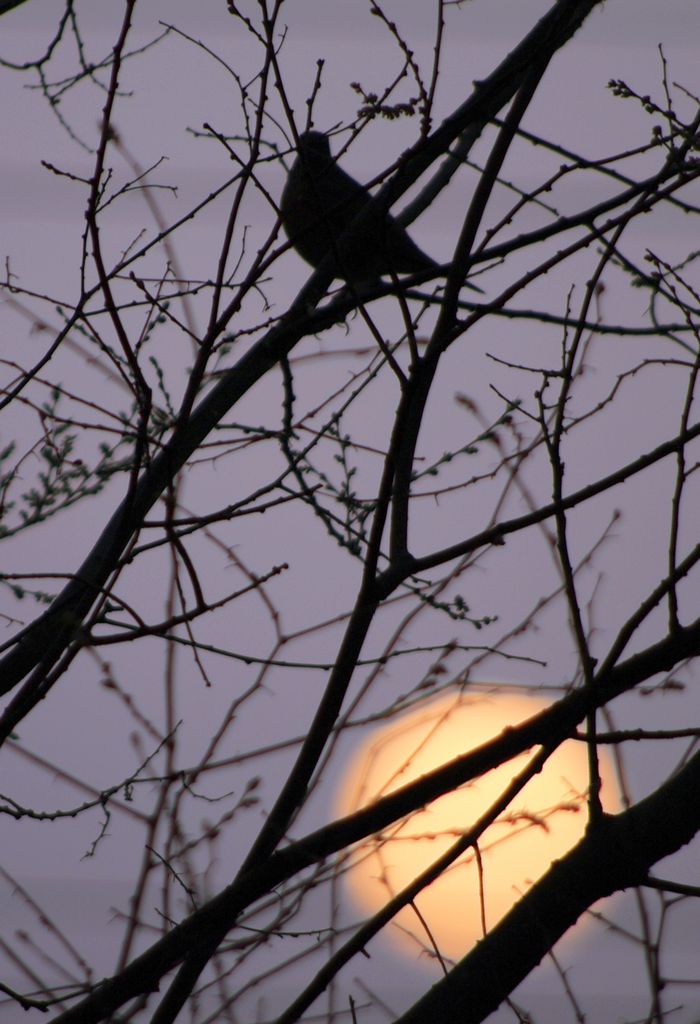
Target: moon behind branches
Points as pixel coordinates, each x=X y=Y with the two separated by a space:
x=545 y=820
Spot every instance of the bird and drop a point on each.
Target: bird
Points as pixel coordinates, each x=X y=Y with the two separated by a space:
x=319 y=203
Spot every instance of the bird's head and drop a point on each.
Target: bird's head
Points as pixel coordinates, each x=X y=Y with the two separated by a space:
x=314 y=145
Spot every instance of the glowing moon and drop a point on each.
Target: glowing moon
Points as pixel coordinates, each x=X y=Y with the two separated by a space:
x=543 y=822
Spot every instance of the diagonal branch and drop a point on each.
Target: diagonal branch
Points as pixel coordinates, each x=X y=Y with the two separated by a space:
x=615 y=854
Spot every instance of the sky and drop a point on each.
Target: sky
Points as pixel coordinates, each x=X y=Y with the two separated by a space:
x=166 y=99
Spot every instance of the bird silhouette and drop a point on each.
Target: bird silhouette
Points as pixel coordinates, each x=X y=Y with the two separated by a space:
x=320 y=202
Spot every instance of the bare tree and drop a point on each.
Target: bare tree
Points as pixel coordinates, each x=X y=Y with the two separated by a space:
x=281 y=504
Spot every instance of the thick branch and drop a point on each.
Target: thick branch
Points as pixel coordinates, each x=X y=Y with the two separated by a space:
x=615 y=854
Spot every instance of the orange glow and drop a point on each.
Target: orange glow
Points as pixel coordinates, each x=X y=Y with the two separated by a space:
x=544 y=821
